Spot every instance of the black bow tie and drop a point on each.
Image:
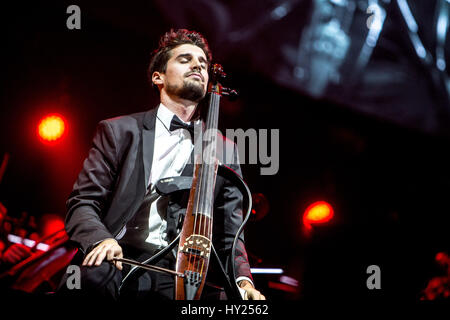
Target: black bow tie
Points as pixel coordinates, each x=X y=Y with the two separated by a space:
x=178 y=124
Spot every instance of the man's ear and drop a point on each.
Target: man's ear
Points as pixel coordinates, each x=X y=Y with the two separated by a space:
x=157 y=78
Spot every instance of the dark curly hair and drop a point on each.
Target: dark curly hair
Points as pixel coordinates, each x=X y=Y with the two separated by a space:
x=170 y=40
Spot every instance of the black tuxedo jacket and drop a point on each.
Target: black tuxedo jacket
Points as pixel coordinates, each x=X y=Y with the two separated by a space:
x=113 y=182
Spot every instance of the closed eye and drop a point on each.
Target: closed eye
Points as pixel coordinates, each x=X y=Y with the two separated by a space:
x=186 y=57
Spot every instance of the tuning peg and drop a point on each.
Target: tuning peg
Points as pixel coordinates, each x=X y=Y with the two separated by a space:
x=217 y=71
x=230 y=93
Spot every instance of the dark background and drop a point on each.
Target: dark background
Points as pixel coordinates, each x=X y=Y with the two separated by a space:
x=377 y=152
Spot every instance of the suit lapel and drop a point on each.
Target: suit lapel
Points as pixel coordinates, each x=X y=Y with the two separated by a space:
x=148 y=143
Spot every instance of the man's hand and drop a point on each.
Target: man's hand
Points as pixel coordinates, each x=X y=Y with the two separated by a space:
x=250 y=292
x=108 y=249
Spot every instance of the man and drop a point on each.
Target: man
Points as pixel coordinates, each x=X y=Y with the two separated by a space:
x=114 y=211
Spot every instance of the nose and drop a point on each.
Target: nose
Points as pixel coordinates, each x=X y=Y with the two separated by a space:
x=196 y=65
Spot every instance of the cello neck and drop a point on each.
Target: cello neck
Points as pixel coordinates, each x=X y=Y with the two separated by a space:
x=208 y=166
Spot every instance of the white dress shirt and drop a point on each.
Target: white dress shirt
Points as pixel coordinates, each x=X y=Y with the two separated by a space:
x=172 y=151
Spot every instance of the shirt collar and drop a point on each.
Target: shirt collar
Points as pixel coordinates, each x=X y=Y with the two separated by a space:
x=166 y=116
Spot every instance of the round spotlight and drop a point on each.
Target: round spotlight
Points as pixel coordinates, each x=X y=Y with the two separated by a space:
x=318 y=212
x=51 y=128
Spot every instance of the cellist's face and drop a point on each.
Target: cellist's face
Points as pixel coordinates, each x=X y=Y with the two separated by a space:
x=186 y=74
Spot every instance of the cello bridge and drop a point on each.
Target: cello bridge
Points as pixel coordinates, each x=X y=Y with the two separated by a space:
x=196 y=245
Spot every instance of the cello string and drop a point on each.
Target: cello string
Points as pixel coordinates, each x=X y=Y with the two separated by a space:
x=199 y=193
x=195 y=208
x=210 y=174
x=211 y=158
x=206 y=177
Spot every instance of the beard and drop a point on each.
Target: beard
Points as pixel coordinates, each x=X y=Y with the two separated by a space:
x=190 y=90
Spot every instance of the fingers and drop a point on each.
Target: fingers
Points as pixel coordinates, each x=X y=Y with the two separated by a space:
x=118 y=263
x=101 y=255
x=115 y=252
x=90 y=258
x=253 y=294
x=108 y=249
x=260 y=297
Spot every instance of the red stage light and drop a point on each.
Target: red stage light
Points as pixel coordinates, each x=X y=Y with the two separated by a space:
x=51 y=128
x=318 y=212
